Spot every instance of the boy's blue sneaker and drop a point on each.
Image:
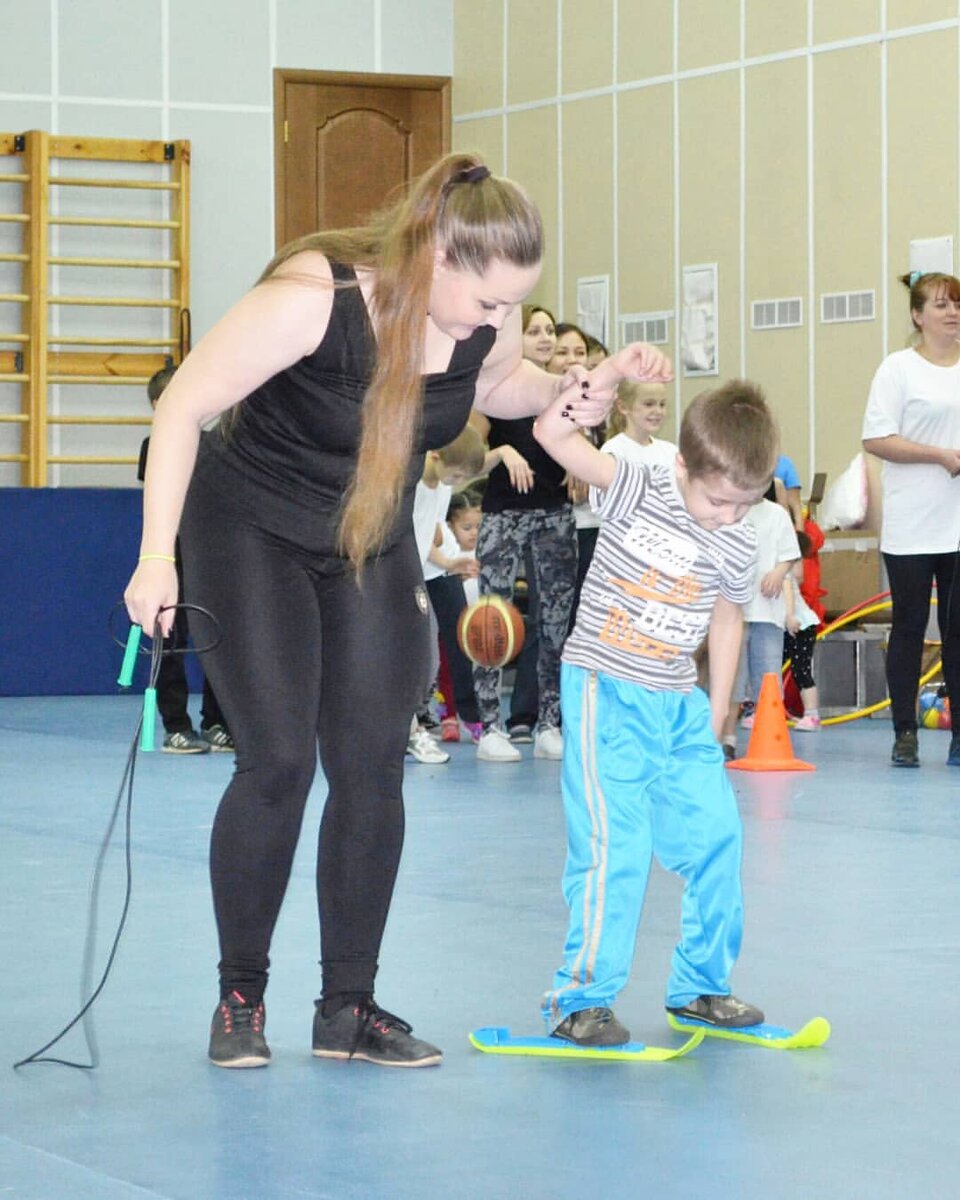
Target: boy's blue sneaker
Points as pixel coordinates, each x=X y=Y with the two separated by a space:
x=723 y=1011
x=953 y=754
x=592 y=1027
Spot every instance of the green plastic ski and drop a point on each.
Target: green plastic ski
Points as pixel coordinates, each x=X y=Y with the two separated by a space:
x=773 y=1037
x=495 y=1039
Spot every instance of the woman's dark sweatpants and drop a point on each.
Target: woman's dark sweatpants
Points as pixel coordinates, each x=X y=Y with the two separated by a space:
x=307 y=658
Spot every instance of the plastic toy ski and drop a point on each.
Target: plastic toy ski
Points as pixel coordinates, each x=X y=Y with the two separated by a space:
x=773 y=1037
x=493 y=1039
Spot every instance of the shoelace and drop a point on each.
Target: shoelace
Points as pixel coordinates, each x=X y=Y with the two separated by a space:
x=239 y=1016
x=372 y=1015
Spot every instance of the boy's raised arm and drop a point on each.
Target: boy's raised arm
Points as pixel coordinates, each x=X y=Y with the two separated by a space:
x=560 y=436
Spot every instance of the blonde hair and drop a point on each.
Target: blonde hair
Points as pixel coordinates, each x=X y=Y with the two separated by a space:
x=629 y=393
x=477 y=218
x=465 y=453
x=730 y=431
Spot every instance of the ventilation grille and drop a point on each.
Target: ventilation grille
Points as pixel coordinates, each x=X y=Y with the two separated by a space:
x=777 y=314
x=847 y=306
x=653 y=327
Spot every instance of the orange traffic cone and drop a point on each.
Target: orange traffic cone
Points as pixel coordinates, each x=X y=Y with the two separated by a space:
x=769 y=747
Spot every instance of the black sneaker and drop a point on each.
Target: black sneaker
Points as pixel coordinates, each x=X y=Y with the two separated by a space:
x=185 y=741
x=236 y=1034
x=905 y=750
x=218 y=738
x=521 y=734
x=953 y=754
x=726 y=1011
x=367 y=1031
x=592 y=1027
x=729 y=752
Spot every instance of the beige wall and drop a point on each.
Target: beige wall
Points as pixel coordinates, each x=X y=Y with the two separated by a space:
x=798 y=145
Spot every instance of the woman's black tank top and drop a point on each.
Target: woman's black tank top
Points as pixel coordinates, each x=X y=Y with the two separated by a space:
x=291 y=453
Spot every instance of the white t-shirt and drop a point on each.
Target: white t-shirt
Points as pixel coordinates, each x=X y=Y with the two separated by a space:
x=919 y=401
x=450 y=548
x=776 y=543
x=657 y=450
x=429 y=510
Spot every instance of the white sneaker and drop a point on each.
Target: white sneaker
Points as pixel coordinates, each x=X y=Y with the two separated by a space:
x=495 y=746
x=548 y=743
x=424 y=749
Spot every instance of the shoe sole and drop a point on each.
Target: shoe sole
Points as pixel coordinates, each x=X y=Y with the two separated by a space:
x=495 y=758
x=198 y=750
x=688 y=1016
x=433 y=1060
x=544 y=754
x=569 y=1041
x=250 y=1060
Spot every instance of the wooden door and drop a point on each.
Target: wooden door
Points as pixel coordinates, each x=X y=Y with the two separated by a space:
x=344 y=141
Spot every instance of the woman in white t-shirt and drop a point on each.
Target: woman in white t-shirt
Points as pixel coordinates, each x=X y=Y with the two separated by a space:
x=912 y=422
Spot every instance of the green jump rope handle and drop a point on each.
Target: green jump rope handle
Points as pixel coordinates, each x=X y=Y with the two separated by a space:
x=149 y=718
x=130 y=656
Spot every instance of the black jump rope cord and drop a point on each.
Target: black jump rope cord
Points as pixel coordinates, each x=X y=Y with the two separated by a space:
x=156 y=653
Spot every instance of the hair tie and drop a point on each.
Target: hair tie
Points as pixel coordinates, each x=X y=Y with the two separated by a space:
x=472 y=174
x=915 y=276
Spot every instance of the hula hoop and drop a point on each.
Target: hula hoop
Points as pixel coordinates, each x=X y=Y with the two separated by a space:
x=864 y=609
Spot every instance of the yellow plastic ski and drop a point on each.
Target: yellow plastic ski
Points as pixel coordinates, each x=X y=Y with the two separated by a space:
x=494 y=1039
x=773 y=1037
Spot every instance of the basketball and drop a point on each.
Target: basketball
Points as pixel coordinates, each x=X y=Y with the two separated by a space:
x=490 y=631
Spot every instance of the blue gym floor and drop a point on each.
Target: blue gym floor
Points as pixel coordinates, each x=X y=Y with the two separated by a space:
x=852 y=891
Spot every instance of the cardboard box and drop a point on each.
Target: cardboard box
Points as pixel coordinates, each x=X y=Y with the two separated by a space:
x=850 y=568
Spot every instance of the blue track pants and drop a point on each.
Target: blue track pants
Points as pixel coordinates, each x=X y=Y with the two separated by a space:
x=643 y=775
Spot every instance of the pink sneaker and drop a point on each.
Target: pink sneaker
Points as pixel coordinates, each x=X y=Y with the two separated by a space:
x=747 y=722
x=475 y=730
x=449 y=730
x=807 y=724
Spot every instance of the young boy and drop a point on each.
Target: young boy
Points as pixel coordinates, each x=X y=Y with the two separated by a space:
x=643 y=770
x=444 y=469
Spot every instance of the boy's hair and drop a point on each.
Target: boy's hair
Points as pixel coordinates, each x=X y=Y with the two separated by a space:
x=157 y=383
x=730 y=431
x=465 y=453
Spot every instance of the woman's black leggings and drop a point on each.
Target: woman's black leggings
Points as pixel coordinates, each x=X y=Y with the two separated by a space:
x=911 y=578
x=307 y=658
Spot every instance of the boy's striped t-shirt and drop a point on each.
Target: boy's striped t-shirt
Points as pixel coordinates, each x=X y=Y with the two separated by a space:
x=650 y=590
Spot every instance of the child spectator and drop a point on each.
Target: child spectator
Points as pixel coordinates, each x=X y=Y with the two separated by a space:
x=643 y=772
x=173 y=693
x=637 y=415
x=449 y=594
x=766 y=611
x=799 y=641
x=450 y=466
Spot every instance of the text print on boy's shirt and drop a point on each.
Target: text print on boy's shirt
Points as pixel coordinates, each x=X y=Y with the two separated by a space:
x=655 y=576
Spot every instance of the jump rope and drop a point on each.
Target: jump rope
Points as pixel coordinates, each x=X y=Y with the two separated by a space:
x=142 y=741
